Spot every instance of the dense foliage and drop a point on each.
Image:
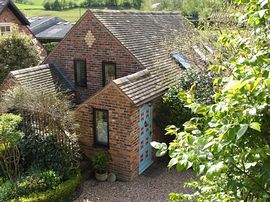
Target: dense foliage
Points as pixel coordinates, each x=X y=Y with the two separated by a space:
x=50 y=46
x=58 y=5
x=9 y=140
x=138 y=4
x=30 y=188
x=37 y=181
x=100 y=162
x=116 y=4
x=48 y=151
x=62 y=192
x=196 y=8
x=14 y=42
x=172 y=110
x=55 y=105
x=228 y=144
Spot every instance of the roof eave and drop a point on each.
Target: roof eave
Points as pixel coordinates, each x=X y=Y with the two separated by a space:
x=18 y=13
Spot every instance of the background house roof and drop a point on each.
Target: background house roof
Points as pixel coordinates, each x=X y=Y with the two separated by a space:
x=9 y=4
x=43 y=78
x=142 y=34
x=49 y=27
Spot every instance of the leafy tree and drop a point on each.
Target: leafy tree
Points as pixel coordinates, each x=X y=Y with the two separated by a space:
x=228 y=143
x=173 y=110
x=202 y=8
x=17 y=51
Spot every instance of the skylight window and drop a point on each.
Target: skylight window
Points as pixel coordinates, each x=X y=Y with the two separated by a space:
x=180 y=59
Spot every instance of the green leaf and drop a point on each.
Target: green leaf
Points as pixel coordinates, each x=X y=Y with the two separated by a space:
x=196 y=132
x=241 y=131
x=161 y=153
x=156 y=145
x=255 y=126
x=180 y=167
x=173 y=162
x=209 y=144
x=262 y=13
x=215 y=169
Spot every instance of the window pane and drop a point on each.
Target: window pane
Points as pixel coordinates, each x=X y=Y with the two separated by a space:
x=101 y=124
x=80 y=69
x=109 y=72
x=8 y=29
x=3 y=29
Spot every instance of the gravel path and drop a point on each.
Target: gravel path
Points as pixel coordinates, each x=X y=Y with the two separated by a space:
x=154 y=185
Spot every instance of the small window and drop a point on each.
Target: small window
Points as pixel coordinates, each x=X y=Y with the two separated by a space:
x=109 y=72
x=80 y=73
x=5 y=27
x=180 y=59
x=101 y=127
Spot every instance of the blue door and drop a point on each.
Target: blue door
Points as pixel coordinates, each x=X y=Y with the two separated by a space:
x=145 y=137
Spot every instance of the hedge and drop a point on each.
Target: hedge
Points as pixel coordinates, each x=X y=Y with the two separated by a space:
x=62 y=192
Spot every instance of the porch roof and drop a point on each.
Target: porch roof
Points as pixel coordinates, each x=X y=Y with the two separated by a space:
x=43 y=78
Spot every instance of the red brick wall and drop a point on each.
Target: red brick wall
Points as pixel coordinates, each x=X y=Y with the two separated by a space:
x=104 y=48
x=124 y=130
x=122 y=148
x=7 y=16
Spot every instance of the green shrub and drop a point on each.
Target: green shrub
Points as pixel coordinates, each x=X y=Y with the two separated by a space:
x=48 y=154
x=44 y=186
x=11 y=55
x=50 y=46
x=9 y=139
x=34 y=182
x=7 y=190
x=62 y=192
x=100 y=162
x=38 y=181
x=173 y=111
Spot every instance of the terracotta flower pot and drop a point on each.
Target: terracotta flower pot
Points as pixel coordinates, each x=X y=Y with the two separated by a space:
x=101 y=177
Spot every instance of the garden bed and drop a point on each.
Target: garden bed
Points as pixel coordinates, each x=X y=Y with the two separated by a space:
x=62 y=192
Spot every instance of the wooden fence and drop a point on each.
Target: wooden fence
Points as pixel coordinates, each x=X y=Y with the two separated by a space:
x=44 y=125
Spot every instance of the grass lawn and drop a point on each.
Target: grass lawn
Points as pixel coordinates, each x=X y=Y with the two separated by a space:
x=25 y=6
x=40 y=2
x=71 y=15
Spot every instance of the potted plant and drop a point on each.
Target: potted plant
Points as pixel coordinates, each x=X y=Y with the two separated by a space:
x=100 y=163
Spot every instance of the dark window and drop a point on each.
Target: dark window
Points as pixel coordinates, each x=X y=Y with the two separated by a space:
x=101 y=127
x=109 y=72
x=80 y=73
x=180 y=59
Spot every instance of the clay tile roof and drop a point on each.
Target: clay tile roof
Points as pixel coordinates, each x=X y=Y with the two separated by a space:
x=14 y=9
x=43 y=78
x=142 y=34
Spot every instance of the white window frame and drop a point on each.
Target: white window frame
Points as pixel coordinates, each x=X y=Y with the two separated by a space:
x=5 y=24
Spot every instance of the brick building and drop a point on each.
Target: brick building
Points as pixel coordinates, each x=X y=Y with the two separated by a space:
x=119 y=69
x=10 y=15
